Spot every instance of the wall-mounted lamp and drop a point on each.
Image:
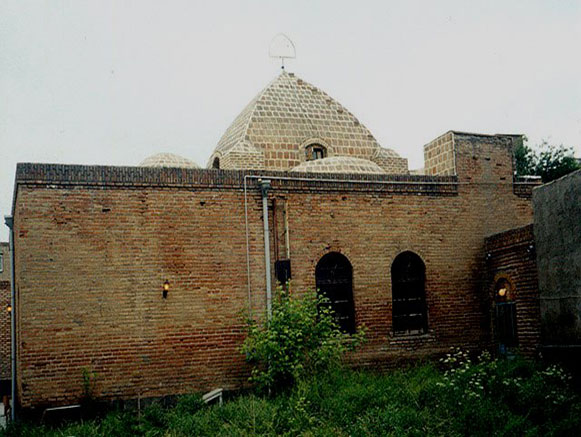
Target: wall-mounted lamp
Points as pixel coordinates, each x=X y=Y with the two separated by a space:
x=502 y=292
x=8 y=309
x=165 y=288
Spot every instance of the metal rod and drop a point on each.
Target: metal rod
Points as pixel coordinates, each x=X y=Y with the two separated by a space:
x=247 y=252
x=355 y=181
x=286 y=234
x=9 y=220
x=274 y=230
x=264 y=187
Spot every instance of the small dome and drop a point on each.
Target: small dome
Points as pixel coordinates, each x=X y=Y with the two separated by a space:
x=339 y=164
x=168 y=160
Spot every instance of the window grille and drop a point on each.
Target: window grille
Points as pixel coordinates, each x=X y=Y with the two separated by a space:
x=334 y=279
x=408 y=274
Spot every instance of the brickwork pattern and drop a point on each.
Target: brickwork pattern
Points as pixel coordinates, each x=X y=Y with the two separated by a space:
x=390 y=161
x=168 y=160
x=511 y=255
x=285 y=114
x=95 y=245
x=4 y=330
x=339 y=164
x=439 y=155
x=5 y=262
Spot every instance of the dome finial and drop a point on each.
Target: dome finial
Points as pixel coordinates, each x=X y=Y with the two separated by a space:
x=282 y=47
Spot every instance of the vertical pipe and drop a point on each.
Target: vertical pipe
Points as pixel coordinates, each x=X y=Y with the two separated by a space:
x=247 y=251
x=9 y=220
x=264 y=187
x=274 y=230
x=286 y=234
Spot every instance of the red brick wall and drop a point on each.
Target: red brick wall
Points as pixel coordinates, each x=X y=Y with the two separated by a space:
x=511 y=255
x=4 y=330
x=95 y=244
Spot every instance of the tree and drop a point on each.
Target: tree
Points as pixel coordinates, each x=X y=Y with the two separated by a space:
x=548 y=161
x=301 y=338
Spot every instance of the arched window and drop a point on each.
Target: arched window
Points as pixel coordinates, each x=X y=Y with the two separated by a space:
x=408 y=277
x=505 y=309
x=216 y=163
x=334 y=279
x=315 y=151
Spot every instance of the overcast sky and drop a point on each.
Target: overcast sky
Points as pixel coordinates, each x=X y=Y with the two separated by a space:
x=111 y=82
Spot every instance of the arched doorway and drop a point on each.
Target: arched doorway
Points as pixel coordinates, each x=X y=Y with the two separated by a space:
x=334 y=279
x=408 y=278
x=505 y=315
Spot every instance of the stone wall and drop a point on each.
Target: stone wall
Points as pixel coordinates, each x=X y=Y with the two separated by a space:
x=96 y=244
x=511 y=256
x=557 y=207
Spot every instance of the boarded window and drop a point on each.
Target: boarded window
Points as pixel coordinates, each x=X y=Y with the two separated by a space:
x=408 y=275
x=334 y=279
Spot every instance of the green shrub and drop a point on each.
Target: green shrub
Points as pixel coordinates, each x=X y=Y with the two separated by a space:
x=301 y=338
x=472 y=397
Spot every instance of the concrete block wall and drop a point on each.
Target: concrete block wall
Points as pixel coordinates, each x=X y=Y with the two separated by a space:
x=557 y=207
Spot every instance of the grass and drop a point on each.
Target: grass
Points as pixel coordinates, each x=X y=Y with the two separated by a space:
x=456 y=397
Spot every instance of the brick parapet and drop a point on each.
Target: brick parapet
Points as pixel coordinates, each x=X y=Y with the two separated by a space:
x=139 y=177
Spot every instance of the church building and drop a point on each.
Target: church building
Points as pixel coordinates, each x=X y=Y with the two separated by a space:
x=142 y=276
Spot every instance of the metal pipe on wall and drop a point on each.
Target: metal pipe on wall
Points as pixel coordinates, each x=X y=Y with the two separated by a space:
x=9 y=220
x=264 y=188
x=290 y=178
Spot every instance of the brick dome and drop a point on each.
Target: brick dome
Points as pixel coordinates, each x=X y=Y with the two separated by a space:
x=168 y=160
x=277 y=128
x=339 y=164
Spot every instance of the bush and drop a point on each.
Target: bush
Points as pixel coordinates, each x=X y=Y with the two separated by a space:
x=481 y=397
x=301 y=338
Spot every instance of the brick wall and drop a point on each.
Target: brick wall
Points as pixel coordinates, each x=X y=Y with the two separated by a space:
x=4 y=330
x=5 y=277
x=4 y=262
x=391 y=164
x=511 y=256
x=95 y=244
x=439 y=155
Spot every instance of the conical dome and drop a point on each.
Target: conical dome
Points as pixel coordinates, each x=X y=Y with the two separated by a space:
x=290 y=122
